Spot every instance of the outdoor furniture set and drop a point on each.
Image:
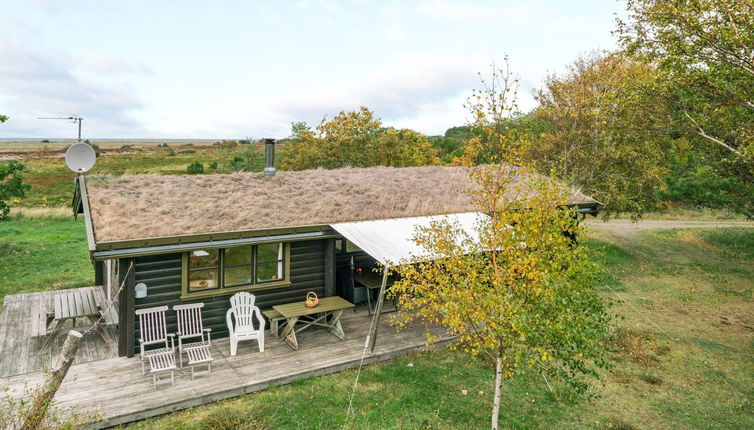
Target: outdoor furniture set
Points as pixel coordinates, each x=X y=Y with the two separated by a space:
x=162 y=358
x=372 y=282
x=72 y=305
x=240 y=319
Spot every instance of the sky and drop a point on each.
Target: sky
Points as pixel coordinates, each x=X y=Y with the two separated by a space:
x=236 y=69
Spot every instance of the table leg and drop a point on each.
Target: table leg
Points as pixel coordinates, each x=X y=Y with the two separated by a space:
x=289 y=333
x=53 y=334
x=335 y=327
x=100 y=330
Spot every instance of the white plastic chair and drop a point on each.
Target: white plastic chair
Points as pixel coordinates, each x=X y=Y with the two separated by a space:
x=190 y=327
x=240 y=319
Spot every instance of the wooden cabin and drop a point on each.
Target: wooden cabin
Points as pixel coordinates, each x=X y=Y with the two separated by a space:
x=181 y=239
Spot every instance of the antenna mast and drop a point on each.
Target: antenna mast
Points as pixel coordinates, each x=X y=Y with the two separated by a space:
x=73 y=118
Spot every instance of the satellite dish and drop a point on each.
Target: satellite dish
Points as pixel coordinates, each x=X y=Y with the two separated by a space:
x=80 y=157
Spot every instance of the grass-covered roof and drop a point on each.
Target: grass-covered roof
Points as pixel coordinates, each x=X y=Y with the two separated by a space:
x=150 y=206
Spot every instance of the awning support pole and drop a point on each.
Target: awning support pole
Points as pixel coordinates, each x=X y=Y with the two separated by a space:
x=372 y=338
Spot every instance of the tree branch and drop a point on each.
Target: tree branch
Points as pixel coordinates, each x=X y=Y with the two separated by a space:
x=700 y=131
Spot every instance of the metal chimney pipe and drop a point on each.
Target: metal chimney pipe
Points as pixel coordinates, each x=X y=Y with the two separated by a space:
x=269 y=157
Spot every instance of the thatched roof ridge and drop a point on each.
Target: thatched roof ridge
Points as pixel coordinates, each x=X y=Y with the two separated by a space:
x=148 y=206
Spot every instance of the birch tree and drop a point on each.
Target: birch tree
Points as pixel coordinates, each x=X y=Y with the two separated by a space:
x=520 y=293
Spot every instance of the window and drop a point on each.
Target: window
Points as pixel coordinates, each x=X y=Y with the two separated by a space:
x=269 y=262
x=215 y=271
x=346 y=246
x=204 y=267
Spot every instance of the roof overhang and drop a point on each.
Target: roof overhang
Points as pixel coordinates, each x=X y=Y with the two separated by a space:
x=183 y=247
x=391 y=241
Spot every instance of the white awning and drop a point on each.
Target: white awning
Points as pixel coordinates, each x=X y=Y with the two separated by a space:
x=390 y=241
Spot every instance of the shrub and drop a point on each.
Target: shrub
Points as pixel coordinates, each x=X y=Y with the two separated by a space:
x=11 y=185
x=126 y=146
x=45 y=140
x=186 y=151
x=195 y=168
x=244 y=141
x=14 y=410
x=250 y=160
x=162 y=145
x=213 y=165
x=170 y=153
x=228 y=144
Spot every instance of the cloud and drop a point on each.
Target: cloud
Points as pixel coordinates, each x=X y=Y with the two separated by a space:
x=98 y=61
x=410 y=88
x=39 y=81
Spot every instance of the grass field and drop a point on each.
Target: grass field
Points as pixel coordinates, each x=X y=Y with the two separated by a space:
x=683 y=350
x=43 y=251
x=29 y=146
x=52 y=183
x=690 y=367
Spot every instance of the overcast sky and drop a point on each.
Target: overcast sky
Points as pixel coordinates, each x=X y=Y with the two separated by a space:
x=231 y=69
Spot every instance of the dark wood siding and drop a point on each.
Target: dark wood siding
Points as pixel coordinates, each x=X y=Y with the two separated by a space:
x=162 y=274
x=360 y=259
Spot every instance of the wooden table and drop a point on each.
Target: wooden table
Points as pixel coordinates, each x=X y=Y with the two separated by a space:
x=71 y=305
x=325 y=314
x=372 y=281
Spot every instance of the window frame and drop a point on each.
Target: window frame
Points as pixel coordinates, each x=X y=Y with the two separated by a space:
x=341 y=246
x=215 y=267
x=253 y=286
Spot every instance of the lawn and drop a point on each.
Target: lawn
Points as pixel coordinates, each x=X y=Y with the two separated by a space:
x=43 y=252
x=682 y=358
x=682 y=352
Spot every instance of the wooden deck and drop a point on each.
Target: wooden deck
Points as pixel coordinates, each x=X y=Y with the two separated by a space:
x=115 y=389
x=23 y=332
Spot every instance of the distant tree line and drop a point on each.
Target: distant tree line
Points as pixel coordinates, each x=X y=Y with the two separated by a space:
x=668 y=119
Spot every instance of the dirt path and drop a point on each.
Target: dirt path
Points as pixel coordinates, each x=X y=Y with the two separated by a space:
x=629 y=228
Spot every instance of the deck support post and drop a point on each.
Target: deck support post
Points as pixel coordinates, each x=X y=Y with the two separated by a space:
x=329 y=267
x=126 y=308
x=372 y=336
x=99 y=273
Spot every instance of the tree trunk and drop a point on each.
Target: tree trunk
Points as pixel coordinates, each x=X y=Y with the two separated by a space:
x=46 y=392
x=498 y=387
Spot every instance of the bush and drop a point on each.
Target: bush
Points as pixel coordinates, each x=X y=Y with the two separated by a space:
x=45 y=141
x=162 y=145
x=170 y=153
x=13 y=412
x=11 y=185
x=244 y=141
x=250 y=160
x=187 y=151
x=228 y=144
x=126 y=146
x=195 y=168
x=213 y=165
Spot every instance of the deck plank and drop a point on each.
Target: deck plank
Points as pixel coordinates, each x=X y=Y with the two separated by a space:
x=23 y=332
